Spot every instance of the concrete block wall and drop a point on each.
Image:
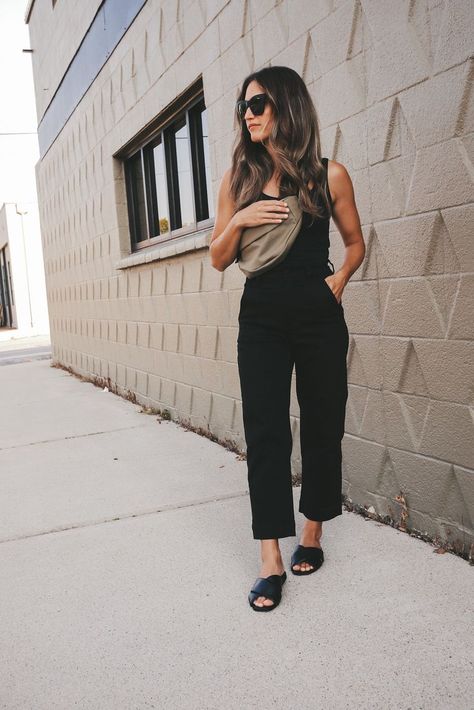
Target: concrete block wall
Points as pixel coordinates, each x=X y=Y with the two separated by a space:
x=392 y=83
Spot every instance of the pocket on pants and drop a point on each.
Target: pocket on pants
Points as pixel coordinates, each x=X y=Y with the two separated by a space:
x=331 y=292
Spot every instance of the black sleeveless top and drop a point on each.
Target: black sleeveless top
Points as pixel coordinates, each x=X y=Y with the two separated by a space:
x=311 y=246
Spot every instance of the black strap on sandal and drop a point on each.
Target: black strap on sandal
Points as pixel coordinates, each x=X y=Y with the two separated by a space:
x=269 y=587
x=312 y=555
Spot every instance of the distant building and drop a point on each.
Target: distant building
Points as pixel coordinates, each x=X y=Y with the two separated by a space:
x=23 y=304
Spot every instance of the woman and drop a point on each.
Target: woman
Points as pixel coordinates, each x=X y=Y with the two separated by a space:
x=291 y=315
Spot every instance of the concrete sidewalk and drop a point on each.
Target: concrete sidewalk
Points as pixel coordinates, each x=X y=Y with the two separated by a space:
x=11 y=338
x=126 y=558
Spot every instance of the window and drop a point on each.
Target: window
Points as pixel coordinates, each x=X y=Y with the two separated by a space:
x=168 y=179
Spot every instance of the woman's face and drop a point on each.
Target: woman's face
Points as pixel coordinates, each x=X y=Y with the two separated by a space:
x=259 y=127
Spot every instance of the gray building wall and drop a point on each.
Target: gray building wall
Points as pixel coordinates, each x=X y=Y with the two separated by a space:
x=392 y=83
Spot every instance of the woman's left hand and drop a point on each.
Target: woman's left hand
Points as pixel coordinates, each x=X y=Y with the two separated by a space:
x=337 y=282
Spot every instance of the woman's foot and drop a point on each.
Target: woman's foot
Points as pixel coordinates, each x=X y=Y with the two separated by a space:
x=272 y=563
x=310 y=537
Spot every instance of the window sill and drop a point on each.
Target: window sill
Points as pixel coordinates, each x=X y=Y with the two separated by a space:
x=172 y=247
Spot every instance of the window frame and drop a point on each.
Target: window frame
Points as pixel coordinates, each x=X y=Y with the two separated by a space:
x=191 y=110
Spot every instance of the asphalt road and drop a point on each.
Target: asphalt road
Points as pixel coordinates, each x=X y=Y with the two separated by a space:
x=12 y=357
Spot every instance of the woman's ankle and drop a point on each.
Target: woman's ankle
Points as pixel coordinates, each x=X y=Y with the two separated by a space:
x=312 y=531
x=270 y=550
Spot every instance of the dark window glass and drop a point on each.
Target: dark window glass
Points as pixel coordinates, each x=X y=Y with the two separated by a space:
x=5 y=304
x=207 y=167
x=136 y=198
x=12 y=299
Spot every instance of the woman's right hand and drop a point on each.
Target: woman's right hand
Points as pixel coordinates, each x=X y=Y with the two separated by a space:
x=262 y=212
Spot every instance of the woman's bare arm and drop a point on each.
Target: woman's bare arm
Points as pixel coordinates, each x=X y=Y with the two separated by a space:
x=228 y=226
x=227 y=231
x=346 y=218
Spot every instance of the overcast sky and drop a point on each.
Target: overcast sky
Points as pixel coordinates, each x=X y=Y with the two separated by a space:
x=18 y=152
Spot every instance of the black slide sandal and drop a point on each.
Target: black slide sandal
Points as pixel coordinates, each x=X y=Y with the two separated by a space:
x=269 y=587
x=312 y=555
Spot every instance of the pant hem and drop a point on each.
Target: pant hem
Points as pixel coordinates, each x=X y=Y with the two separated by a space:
x=320 y=517
x=269 y=536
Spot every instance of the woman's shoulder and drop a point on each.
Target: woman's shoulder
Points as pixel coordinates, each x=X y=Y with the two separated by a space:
x=227 y=177
x=336 y=171
x=338 y=177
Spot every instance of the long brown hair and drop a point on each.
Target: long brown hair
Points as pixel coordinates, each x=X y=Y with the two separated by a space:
x=293 y=149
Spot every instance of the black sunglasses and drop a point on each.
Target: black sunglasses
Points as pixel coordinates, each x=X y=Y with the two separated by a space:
x=256 y=104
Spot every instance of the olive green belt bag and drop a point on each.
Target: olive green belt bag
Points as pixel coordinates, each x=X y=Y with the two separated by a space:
x=264 y=246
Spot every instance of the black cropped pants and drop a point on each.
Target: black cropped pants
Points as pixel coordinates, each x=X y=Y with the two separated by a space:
x=289 y=318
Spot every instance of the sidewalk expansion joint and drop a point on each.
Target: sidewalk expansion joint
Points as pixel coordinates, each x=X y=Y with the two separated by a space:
x=125 y=516
x=74 y=436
